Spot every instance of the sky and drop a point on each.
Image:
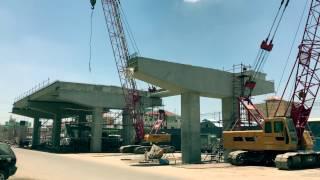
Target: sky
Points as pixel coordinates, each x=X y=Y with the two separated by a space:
x=50 y=39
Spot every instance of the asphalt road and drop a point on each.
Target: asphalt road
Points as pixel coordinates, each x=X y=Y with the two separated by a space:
x=46 y=166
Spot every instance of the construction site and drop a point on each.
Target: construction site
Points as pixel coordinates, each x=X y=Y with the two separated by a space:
x=262 y=128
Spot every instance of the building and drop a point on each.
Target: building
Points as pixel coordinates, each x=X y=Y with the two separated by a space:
x=173 y=121
x=14 y=131
x=269 y=107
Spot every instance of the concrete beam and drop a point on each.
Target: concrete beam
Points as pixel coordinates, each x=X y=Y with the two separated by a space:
x=36 y=132
x=32 y=113
x=55 y=107
x=190 y=128
x=164 y=93
x=96 y=130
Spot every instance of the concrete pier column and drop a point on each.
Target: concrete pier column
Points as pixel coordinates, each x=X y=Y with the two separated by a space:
x=36 y=132
x=229 y=112
x=82 y=121
x=190 y=128
x=128 y=130
x=56 y=132
x=96 y=130
x=82 y=118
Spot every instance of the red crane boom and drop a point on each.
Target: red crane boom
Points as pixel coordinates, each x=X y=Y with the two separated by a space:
x=307 y=80
x=112 y=13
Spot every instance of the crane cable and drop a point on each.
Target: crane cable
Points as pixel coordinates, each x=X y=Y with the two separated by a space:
x=292 y=45
x=286 y=65
x=263 y=52
x=90 y=40
x=276 y=17
x=279 y=21
x=93 y=3
x=129 y=31
x=132 y=40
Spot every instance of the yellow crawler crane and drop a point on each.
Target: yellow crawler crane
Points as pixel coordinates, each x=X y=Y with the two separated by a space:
x=283 y=141
x=274 y=143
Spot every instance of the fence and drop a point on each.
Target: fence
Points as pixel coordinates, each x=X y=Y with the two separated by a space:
x=36 y=88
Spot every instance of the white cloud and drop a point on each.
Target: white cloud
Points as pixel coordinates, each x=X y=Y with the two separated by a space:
x=191 y=1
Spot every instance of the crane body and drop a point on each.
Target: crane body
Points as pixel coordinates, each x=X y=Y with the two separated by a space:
x=283 y=140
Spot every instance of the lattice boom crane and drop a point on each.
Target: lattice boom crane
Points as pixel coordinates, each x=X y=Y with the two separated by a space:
x=112 y=13
x=307 y=80
x=283 y=139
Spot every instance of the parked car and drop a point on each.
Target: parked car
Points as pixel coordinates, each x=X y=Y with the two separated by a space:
x=7 y=161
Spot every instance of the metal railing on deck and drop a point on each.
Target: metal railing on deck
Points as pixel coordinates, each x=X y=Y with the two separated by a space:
x=36 y=88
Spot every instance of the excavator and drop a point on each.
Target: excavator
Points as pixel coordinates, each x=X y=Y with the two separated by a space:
x=284 y=139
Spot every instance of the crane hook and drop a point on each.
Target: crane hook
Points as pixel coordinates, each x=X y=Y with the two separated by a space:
x=93 y=3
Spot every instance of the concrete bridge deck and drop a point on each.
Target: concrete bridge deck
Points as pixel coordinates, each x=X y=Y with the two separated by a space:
x=60 y=100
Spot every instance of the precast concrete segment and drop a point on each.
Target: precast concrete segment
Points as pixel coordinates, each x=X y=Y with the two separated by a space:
x=190 y=128
x=36 y=132
x=96 y=130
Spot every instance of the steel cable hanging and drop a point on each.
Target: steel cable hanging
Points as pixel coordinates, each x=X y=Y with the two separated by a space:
x=132 y=39
x=256 y=61
x=277 y=27
x=267 y=44
x=266 y=47
x=90 y=39
x=129 y=31
x=93 y=3
x=292 y=45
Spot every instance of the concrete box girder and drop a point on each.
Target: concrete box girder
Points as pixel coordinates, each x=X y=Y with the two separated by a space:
x=180 y=78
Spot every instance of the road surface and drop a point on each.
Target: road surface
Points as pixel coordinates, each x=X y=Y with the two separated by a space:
x=34 y=165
